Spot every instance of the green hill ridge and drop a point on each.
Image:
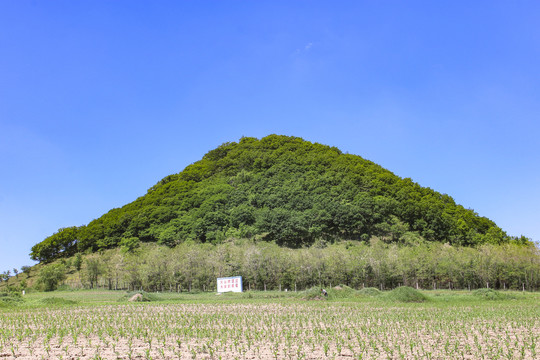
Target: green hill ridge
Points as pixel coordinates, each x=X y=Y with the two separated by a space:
x=281 y=189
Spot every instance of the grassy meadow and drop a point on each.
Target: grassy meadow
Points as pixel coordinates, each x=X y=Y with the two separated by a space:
x=348 y=324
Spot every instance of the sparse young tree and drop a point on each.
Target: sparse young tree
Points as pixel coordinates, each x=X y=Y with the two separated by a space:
x=77 y=262
x=93 y=268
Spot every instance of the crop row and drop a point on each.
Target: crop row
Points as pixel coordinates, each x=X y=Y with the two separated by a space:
x=271 y=331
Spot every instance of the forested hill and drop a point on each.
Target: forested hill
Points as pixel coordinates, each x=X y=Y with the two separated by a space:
x=281 y=189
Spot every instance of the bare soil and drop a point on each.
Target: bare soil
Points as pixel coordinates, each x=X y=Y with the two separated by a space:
x=313 y=330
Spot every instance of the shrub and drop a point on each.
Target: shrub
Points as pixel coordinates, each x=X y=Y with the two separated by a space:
x=9 y=298
x=489 y=294
x=57 y=301
x=313 y=293
x=369 y=291
x=341 y=292
x=50 y=276
x=406 y=294
x=144 y=296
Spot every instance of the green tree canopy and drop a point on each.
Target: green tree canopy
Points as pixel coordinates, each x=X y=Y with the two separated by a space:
x=279 y=188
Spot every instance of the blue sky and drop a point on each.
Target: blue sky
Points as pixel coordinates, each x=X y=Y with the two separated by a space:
x=99 y=100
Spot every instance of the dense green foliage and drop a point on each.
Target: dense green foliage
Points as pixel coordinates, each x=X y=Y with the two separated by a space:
x=51 y=276
x=9 y=297
x=281 y=189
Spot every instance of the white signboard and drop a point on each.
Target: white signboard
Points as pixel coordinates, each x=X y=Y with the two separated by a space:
x=229 y=284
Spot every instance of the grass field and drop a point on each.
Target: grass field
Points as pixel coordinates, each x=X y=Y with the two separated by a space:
x=272 y=325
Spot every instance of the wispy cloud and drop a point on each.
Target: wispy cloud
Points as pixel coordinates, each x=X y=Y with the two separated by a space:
x=304 y=49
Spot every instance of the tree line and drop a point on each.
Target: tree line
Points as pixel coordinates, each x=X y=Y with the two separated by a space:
x=266 y=266
x=284 y=190
x=4 y=276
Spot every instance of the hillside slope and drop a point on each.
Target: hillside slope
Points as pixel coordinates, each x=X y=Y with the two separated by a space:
x=282 y=189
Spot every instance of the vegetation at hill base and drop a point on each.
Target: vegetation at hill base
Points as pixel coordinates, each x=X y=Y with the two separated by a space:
x=192 y=266
x=281 y=189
